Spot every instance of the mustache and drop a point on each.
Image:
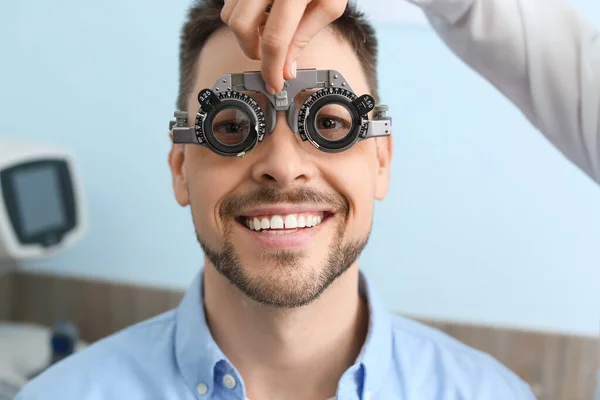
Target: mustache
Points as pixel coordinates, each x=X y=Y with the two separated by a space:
x=232 y=205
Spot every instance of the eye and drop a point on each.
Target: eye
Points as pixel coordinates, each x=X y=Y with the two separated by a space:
x=231 y=126
x=333 y=122
x=328 y=123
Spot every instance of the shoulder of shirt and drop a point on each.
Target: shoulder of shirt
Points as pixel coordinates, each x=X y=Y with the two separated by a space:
x=103 y=360
x=425 y=348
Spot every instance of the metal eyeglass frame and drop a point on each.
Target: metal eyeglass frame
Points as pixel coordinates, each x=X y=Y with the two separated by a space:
x=333 y=88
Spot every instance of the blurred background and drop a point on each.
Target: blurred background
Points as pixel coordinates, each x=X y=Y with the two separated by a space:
x=486 y=224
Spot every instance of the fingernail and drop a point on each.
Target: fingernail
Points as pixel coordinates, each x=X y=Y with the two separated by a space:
x=293 y=69
x=271 y=89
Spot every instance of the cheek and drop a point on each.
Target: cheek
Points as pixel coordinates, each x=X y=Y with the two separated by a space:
x=353 y=174
x=203 y=201
x=209 y=183
x=361 y=213
x=361 y=203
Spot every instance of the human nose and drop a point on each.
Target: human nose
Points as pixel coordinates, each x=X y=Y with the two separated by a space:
x=283 y=160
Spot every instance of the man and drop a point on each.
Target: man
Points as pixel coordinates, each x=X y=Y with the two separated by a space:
x=289 y=316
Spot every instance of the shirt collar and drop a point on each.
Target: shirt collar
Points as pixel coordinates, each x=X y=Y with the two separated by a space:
x=198 y=356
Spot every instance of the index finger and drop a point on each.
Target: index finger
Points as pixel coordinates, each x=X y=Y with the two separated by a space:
x=317 y=16
x=283 y=20
x=245 y=19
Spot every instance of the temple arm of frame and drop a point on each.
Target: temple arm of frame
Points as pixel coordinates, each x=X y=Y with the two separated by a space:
x=381 y=125
x=182 y=133
x=379 y=128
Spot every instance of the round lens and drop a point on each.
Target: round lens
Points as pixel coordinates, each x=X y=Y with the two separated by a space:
x=333 y=122
x=231 y=126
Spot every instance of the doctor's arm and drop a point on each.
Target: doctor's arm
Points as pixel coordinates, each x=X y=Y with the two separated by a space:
x=542 y=54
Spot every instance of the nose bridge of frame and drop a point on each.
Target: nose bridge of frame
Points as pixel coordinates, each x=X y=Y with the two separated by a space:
x=292 y=117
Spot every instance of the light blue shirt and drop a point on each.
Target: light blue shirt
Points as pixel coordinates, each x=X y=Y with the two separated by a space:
x=173 y=356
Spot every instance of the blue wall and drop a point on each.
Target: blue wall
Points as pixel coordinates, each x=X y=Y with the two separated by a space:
x=485 y=221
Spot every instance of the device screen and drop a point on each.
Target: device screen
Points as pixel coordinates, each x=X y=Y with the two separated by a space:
x=39 y=199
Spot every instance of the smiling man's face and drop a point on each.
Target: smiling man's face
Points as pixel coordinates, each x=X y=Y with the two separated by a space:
x=317 y=207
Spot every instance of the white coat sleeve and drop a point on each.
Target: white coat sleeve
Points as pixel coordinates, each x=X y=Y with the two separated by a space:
x=542 y=54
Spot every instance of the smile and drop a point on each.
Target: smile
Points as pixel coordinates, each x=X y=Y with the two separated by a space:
x=284 y=228
x=282 y=223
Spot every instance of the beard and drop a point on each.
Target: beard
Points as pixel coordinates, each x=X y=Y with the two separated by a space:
x=287 y=283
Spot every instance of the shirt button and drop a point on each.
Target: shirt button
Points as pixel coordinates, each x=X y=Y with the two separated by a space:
x=202 y=388
x=229 y=381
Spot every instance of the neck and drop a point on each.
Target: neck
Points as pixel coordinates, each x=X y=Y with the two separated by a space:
x=288 y=353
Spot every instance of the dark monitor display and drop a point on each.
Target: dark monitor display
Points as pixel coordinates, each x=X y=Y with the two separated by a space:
x=39 y=200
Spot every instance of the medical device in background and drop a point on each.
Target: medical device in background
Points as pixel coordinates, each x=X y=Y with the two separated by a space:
x=42 y=213
x=41 y=200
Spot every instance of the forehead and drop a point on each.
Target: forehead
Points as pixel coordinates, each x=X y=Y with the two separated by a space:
x=222 y=54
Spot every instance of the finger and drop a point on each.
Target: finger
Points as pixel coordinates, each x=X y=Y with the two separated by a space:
x=276 y=38
x=261 y=27
x=245 y=21
x=317 y=16
x=227 y=10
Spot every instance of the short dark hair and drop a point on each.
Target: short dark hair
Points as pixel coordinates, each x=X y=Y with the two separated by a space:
x=204 y=18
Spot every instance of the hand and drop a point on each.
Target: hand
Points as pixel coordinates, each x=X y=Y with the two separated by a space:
x=277 y=37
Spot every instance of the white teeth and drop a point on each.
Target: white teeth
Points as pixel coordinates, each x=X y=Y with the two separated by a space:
x=264 y=223
x=301 y=221
x=276 y=222
x=291 y=221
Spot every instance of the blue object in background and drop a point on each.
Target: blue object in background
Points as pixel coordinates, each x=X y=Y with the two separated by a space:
x=64 y=337
x=485 y=221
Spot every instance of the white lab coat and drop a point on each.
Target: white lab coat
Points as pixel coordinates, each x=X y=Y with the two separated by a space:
x=542 y=54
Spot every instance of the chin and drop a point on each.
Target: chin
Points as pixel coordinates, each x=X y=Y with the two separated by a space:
x=284 y=277
x=283 y=290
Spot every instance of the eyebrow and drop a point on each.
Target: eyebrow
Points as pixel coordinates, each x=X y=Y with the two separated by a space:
x=303 y=95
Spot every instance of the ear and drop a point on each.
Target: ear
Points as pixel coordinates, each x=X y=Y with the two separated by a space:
x=384 y=164
x=176 y=163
